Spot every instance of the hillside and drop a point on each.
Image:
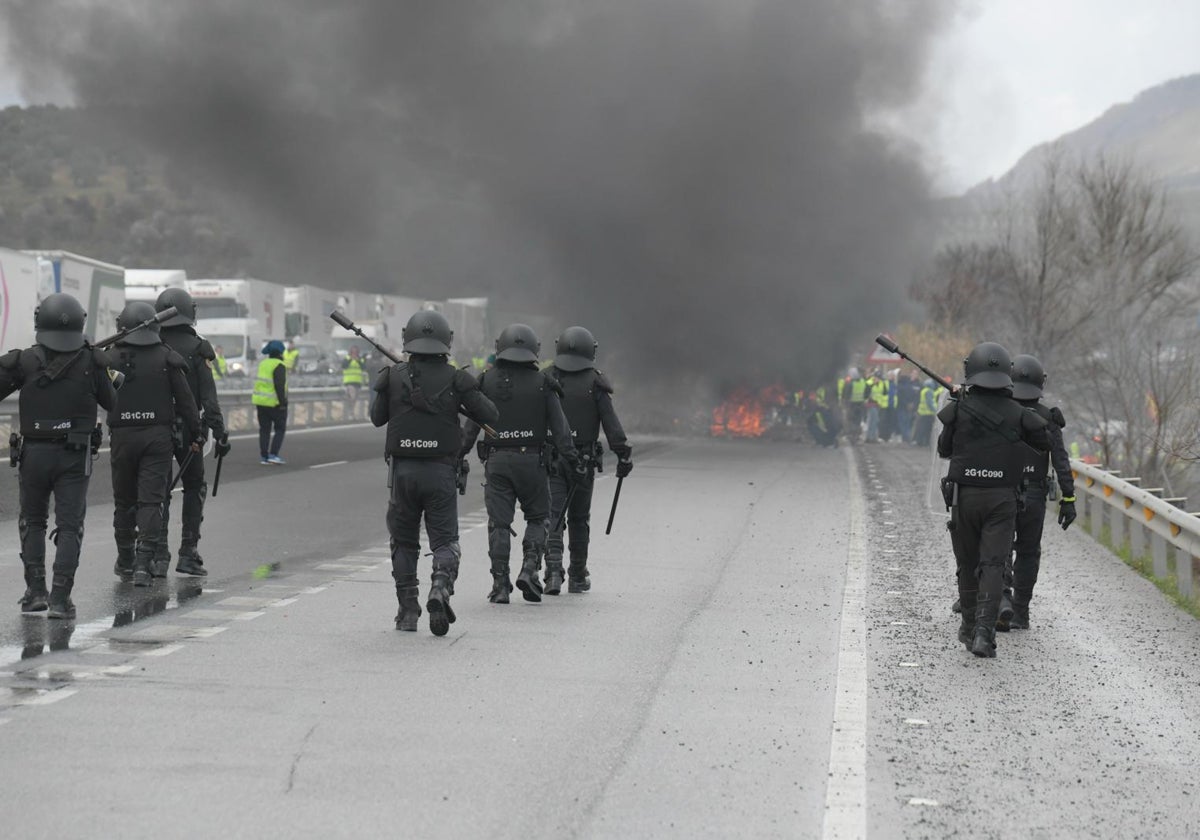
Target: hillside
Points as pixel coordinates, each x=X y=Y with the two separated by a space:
x=67 y=181
x=1157 y=131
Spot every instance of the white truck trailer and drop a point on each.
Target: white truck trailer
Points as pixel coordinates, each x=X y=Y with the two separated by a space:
x=246 y=298
x=21 y=287
x=148 y=283
x=99 y=286
x=307 y=311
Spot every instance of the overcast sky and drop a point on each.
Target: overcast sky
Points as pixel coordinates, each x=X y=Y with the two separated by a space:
x=1014 y=73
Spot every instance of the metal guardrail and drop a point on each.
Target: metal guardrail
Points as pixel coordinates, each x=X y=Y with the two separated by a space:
x=307 y=406
x=1140 y=518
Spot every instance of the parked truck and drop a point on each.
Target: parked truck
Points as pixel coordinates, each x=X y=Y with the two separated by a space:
x=99 y=286
x=243 y=298
x=239 y=340
x=306 y=315
x=148 y=283
x=21 y=287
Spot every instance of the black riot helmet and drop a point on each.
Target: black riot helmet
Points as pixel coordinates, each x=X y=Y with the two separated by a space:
x=1028 y=377
x=134 y=313
x=183 y=303
x=518 y=343
x=427 y=332
x=58 y=323
x=575 y=350
x=988 y=365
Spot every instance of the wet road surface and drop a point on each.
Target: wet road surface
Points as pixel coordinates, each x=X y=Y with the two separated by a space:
x=707 y=686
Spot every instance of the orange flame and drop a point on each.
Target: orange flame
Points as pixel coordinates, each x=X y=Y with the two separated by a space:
x=743 y=414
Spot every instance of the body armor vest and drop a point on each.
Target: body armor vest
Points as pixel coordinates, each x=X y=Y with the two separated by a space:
x=51 y=409
x=422 y=411
x=986 y=451
x=146 y=398
x=579 y=404
x=1037 y=464
x=520 y=395
x=187 y=344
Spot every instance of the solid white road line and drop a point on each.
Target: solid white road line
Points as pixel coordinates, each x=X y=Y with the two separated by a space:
x=329 y=464
x=846 y=791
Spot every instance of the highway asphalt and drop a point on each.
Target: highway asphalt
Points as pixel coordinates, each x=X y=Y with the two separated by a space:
x=767 y=651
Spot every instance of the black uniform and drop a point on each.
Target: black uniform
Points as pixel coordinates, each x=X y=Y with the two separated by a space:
x=1028 y=544
x=420 y=402
x=154 y=394
x=57 y=407
x=587 y=404
x=199 y=355
x=515 y=466
x=985 y=435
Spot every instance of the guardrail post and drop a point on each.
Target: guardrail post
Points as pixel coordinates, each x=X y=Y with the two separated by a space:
x=1158 y=553
x=1137 y=539
x=1183 y=571
x=1117 y=525
x=1096 y=516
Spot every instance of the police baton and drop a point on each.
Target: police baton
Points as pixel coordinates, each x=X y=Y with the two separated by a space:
x=613 y=513
x=217 y=476
x=187 y=459
x=567 y=506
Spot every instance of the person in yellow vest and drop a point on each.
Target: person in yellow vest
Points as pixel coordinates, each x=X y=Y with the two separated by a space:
x=853 y=395
x=877 y=400
x=220 y=367
x=291 y=356
x=270 y=401
x=354 y=374
x=927 y=404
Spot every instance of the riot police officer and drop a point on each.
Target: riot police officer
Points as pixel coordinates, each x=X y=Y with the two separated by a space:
x=587 y=403
x=985 y=436
x=62 y=379
x=516 y=460
x=179 y=334
x=420 y=401
x=1029 y=378
x=154 y=394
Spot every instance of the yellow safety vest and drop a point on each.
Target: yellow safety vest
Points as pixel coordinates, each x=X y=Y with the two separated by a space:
x=219 y=367
x=927 y=405
x=354 y=374
x=290 y=357
x=264 y=384
x=879 y=392
x=858 y=391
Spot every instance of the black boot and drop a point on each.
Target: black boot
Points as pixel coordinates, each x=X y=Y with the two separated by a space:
x=527 y=581
x=60 y=598
x=410 y=608
x=554 y=576
x=190 y=562
x=143 y=560
x=1004 y=617
x=577 y=577
x=35 y=597
x=956 y=607
x=986 y=611
x=123 y=568
x=160 y=563
x=1020 y=619
x=441 y=616
x=501 y=583
x=966 y=628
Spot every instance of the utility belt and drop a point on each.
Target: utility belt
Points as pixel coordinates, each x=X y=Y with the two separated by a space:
x=950 y=489
x=78 y=441
x=544 y=450
x=591 y=455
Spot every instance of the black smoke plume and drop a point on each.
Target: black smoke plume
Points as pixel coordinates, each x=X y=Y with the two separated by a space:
x=695 y=180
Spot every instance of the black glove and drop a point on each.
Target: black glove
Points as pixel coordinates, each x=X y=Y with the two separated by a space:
x=624 y=467
x=1066 y=512
x=460 y=477
x=223 y=445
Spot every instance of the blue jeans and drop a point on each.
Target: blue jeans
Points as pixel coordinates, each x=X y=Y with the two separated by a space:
x=872 y=422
